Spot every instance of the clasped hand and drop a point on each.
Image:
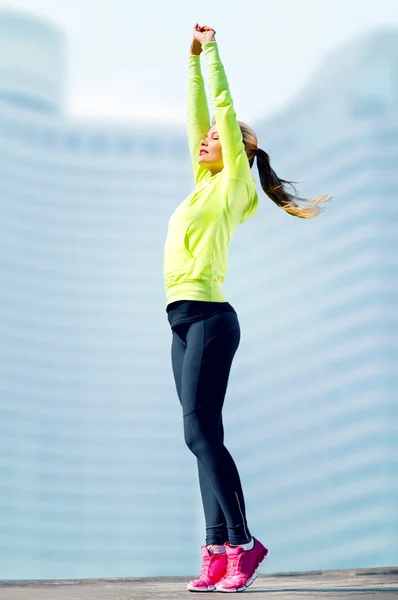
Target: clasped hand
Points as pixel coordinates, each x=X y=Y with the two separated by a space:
x=201 y=35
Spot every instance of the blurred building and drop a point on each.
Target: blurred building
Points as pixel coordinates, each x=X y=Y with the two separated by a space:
x=93 y=463
x=316 y=387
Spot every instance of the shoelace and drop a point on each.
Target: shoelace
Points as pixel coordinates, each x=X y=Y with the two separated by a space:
x=204 y=565
x=232 y=566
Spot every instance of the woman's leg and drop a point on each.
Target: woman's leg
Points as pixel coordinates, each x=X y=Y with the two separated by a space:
x=216 y=524
x=210 y=348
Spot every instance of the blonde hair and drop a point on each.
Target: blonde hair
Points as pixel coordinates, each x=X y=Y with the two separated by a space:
x=272 y=185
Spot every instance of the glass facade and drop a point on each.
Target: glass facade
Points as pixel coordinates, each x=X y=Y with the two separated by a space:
x=314 y=412
x=96 y=480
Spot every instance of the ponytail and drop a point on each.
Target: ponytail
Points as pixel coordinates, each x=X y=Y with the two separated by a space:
x=273 y=186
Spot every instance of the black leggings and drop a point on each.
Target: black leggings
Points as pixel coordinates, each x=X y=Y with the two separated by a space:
x=202 y=354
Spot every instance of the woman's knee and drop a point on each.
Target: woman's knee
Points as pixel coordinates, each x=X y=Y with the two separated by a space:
x=192 y=435
x=198 y=435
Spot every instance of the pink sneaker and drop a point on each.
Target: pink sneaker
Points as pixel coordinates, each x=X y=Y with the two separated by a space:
x=214 y=566
x=242 y=567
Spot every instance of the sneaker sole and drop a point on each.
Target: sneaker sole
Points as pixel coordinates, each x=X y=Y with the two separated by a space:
x=210 y=588
x=219 y=588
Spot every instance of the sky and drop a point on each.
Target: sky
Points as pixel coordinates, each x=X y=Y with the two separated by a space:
x=127 y=60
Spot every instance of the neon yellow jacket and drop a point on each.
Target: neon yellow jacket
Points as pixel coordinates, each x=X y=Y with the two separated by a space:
x=201 y=228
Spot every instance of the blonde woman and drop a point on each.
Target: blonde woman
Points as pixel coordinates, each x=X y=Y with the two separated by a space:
x=205 y=327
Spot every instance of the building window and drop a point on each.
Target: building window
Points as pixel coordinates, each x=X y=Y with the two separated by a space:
x=29 y=134
x=367 y=107
x=49 y=138
x=10 y=129
x=151 y=146
x=98 y=144
x=179 y=149
x=126 y=146
x=72 y=141
x=387 y=137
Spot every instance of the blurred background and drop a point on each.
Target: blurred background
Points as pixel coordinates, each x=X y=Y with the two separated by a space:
x=95 y=477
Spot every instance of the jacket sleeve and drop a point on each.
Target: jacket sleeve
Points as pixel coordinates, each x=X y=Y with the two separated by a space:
x=242 y=201
x=198 y=115
x=236 y=163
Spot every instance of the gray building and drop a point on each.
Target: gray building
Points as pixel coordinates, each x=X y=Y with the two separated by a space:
x=96 y=479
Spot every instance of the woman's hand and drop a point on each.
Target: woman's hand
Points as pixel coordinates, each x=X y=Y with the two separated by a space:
x=201 y=35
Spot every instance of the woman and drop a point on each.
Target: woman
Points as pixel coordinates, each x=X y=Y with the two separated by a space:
x=205 y=327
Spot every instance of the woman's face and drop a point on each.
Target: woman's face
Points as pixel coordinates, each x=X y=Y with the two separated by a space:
x=210 y=153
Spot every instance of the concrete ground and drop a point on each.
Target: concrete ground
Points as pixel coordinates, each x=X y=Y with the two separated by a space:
x=353 y=584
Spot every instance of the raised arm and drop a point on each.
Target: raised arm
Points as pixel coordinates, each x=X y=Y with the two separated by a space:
x=235 y=158
x=198 y=111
